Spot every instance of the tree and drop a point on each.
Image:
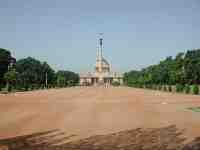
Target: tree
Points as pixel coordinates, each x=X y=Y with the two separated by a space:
x=132 y=78
x=48 y=74
x=29 y=71
x=179 y=87
x=5 y=56
x=181 y=70
x=66 y=78
x=61 y=81
x=192 y=66
x=33 y=73
x=11 y=79
x=187 y=88
x=195 y=89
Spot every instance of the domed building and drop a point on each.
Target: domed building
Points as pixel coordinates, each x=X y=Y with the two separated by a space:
x=102 y=74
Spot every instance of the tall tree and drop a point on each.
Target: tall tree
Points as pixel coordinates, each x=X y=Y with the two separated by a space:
x=66 y=78
x=11 y=78
x=192 y=66
x=48 y=74
x=5 y=56
x=183 y=69
x=30 y=72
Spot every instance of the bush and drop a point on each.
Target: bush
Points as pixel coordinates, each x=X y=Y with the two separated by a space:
x=140 y=86
x=159 y=87
x=9 y=88
x=187 y=88
x=136 y=85
x=131 y=85
x=26 y=87
x=31 y=87
x=179 y=88
x=148 y=86
x=170 y=88
x=195 y=89
x=1 y=86
x=115 y=83
x=34 y=87
x=165 y=88
x=154 y=87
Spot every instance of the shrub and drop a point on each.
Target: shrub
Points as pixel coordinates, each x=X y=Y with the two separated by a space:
x=71 y=83
x=1 y=86
x=148 y=86
x=137 y=85
x=31 y=87
x=170 y=88
x=26 y=87
x=34 y=87
x=165 y=88
x=9 y=88
x=132 y=85
x=140 y=86
x=154 y=87
x=179 y=87
x=187 y=88
x=159 y=87
x=115 y=83
x=18 y=87
x=195 y=89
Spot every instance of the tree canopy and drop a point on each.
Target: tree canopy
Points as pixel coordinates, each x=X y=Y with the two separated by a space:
x=66 y=78
x=36 y=73
x=30 y=73
x=183 y=69
x=5 y=56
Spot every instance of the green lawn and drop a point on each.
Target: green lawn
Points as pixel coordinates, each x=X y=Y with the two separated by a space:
x=195 y=109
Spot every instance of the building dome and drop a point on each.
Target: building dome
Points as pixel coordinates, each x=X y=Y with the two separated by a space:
x=102 y=66
x=102 y=74
x=105 y=63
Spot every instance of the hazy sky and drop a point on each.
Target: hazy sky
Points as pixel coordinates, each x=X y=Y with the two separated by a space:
x=137 y=33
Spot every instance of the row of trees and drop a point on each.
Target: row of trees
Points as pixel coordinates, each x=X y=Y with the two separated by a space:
x=4 y=62
x=182 y=70
x=30 y=73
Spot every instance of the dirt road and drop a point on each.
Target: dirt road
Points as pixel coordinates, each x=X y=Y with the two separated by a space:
x=91 y=111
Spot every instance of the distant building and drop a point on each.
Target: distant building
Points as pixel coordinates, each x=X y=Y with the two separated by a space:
x=102 y=74
x=12 y=61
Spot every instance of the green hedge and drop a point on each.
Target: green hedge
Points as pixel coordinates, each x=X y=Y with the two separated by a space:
x=187 y=89
x=170 y=88
x=115 y=83
x=195 y=89
x=179 y=88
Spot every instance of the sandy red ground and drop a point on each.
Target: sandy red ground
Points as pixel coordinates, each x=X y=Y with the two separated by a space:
x=89 y=111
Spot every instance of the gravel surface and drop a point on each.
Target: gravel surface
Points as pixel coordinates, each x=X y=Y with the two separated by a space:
x=88 y=111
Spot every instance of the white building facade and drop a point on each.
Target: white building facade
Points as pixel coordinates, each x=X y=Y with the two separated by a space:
x=102 y=74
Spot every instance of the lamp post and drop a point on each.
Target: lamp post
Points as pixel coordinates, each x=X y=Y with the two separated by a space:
x=46 y=80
